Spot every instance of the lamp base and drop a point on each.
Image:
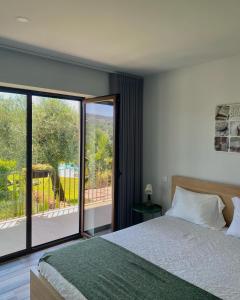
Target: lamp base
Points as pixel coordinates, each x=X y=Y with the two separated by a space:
x=149 y=202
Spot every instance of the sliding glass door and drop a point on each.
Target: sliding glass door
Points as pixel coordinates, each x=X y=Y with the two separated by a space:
x=13 y=114
x=99 y=165
x=57 y=168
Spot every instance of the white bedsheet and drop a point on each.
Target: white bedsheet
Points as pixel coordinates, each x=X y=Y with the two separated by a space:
x=206 y=258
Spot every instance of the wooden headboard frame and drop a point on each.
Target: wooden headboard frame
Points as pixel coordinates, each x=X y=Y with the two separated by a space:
x=224 y=191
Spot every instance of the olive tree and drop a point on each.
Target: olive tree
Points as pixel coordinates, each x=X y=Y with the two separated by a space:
x=55 y=136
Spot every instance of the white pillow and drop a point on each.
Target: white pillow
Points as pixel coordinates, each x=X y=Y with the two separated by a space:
x=202 y=209
x=234 y=228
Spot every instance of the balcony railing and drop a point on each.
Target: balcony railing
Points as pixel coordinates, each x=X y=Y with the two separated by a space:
x=49 y=191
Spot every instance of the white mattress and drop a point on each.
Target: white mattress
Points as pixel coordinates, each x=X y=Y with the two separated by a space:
x=206 y=258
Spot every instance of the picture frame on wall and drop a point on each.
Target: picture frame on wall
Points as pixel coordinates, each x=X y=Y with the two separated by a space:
x=221 y=144
x=227 y=128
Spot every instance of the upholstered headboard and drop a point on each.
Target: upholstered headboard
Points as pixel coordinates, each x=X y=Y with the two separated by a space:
x=225 y=191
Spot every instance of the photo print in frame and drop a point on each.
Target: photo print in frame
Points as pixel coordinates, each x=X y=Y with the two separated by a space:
x=227 y=128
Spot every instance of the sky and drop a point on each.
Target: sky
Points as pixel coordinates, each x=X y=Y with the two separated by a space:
x=4 y=95
x=99 y=109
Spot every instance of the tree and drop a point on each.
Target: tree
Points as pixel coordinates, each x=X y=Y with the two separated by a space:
x=55 y=136
x=98 y=153
x=13 y=129
x=6 y=166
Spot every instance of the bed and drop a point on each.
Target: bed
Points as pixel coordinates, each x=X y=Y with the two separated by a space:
x=198 y=257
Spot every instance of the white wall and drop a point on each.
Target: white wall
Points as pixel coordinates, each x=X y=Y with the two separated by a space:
x=29 y=70
x=179 y=109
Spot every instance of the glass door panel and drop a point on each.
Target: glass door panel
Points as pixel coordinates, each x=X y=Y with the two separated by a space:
x=55 y=168
x=99 y=165
x=13 y=114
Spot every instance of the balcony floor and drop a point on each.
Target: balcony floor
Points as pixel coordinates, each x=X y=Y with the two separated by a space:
x=51 y=225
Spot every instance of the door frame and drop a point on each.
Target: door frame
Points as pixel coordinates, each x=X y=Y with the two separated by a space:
x=29 y=94
x=29 y=248
x=115 y=172
x=75 y=235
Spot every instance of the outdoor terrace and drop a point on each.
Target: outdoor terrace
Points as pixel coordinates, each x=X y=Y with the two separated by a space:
x=52 y=218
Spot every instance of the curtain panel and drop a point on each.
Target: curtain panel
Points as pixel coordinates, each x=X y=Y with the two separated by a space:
x=129 y=188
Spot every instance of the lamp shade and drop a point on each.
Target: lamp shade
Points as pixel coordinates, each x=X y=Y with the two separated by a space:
x=148 y=189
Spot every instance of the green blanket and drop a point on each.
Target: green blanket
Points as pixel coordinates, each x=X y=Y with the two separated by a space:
x=103 y=270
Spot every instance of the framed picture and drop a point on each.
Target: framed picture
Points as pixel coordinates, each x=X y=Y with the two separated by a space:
x=222 y=128
x=227 y=128
x=235 y=144
x=221 y=144
x=222 y=112
x=235 y=128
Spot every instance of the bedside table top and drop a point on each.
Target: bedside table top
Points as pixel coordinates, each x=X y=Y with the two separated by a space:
x=143 y=208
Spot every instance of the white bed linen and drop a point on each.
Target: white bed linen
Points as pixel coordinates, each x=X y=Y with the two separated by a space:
x=206 y=258
x=64 y=288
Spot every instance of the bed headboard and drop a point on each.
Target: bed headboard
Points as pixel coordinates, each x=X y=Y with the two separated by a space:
x=224 y=191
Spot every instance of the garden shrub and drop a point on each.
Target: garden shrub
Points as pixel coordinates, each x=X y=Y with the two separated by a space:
x=6 y=166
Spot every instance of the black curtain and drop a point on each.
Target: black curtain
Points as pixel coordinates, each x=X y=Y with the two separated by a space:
x=130 y=124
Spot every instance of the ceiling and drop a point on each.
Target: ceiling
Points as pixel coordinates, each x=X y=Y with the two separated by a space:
x=136 y=36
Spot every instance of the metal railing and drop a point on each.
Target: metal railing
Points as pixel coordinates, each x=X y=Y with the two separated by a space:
x=49 y=191
x=12 y=193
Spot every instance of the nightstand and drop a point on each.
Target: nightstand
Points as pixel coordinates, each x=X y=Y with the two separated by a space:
x=146 y=212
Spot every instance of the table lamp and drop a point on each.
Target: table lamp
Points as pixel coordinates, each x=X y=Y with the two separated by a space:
x=148 y=192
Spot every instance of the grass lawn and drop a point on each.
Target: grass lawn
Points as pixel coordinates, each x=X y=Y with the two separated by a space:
x=13 y=194
x=12 y=200
x=43 y=194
